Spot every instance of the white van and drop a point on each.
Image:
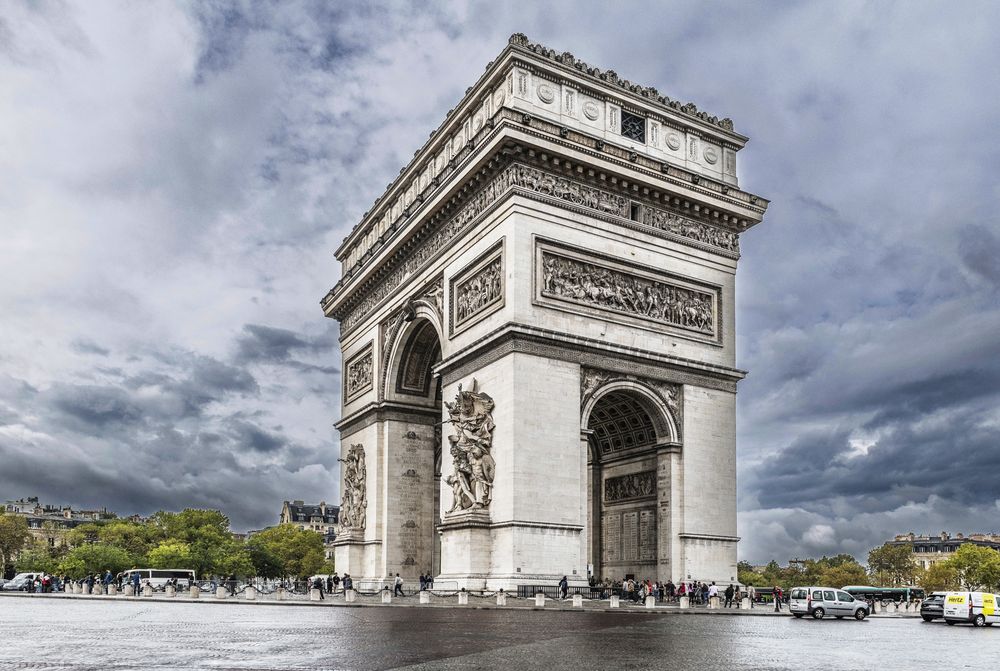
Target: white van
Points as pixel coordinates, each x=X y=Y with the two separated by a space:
x=158 y=577
x=979 y=608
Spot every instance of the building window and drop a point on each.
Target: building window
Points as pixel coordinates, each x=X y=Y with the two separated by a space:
x=633 y=127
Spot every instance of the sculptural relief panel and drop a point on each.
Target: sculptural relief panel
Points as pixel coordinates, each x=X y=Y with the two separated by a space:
x=610 y=287
x=359 y=373
x=478 y=290
x=353 y=502
x=471 y=445
x=628 y=487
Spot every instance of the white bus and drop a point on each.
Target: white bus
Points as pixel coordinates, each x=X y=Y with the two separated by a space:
x=158 y=577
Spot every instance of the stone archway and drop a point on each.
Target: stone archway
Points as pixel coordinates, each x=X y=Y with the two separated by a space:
x=414 y=446
x=631 y=439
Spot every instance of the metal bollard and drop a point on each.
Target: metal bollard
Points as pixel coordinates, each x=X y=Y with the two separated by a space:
x=615 y=601
x=463 y=598
x=540 y=600
x=577 y=601
x=425 y=596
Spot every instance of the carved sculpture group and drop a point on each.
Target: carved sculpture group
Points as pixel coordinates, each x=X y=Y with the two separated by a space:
x=582 y=282
x=631 y=486
x=359 y=374
x=479 y=291
x=473 y=468
x=354 y=505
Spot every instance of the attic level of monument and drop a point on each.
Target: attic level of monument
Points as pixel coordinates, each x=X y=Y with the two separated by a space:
x=562 y=96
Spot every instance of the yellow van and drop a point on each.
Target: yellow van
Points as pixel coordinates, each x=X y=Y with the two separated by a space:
x=979 y=608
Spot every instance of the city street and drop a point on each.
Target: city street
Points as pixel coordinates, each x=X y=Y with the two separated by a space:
x=63 y=633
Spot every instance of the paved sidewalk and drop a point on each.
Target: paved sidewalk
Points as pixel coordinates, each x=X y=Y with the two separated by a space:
x=450 y=602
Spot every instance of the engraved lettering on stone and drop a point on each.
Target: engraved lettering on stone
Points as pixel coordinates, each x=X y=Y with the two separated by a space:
x=632 y=486
x=612 y=546
x=479 y=292
x=586 y=283
x=353 y=504
x=630 y=536
x=473 y=468
x=647 y=535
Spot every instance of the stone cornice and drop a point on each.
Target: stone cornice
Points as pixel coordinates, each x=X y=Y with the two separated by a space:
x=624 y=359
x=467 y=125
x=609 y=77
x=567 y=183
x=376 y=412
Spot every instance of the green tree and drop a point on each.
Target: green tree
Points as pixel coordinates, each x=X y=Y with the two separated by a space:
x=976 y=566
x=36 y=557
x=844 y=574
x=892 y=565
x=213 y=550
x=95 y=558
x=136 y=539
x=298 y=552
x=170 y=554
x=746 y=574
x=13 y=536
x=940 y=577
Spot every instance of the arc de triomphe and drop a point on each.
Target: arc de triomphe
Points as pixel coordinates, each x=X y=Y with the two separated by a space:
x=538 y=335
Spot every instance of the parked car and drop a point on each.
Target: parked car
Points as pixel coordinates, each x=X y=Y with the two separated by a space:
x=982 y=609
x=932 y=608
x=22 y=582
x=819 y=602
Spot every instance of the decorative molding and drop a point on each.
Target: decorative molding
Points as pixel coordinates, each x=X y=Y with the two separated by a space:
x=517 y=176
x=616 y=289
x=359 y=373
x=611 y=77
x=353 y=504
x=478 y=290
x=630 y=487
x=473 y=467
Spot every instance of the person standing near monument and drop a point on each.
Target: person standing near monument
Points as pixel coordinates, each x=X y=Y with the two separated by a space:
x=398 y=589
x=729 y=596
x=563 y=587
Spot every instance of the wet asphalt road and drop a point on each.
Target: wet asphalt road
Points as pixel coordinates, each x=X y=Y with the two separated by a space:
x=54 y=633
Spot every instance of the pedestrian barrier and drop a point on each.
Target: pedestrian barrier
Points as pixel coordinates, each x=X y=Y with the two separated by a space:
x=501 y=598
x=147 y=590
x=425 y=597
x=251 y=593
x=578 y=601
x=350 y=596
x=220 y=592
x=685 y=602
x=314 y=594
x=650 y=602
x=194 y=592
x=614 y=601
x=112 y=590
x=386 y=596
x=540 y=600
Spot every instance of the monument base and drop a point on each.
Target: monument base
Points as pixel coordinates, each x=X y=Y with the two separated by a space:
x=466 y=549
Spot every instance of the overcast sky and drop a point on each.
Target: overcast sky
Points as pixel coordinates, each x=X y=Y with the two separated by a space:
x=174 y=179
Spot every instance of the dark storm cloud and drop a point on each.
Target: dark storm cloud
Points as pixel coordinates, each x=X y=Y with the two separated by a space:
x=84 y=346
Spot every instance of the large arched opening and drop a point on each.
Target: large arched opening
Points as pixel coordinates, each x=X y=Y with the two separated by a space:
x=626 y=426
x=414 y=445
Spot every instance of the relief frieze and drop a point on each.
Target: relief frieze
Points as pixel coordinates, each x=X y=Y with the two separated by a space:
x=518 y=176
x=478 y=290
x=632 y=486
x=584 y=282
x=358 y=378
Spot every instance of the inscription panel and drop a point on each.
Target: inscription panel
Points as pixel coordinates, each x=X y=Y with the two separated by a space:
x=621 y=291
x=630 y=536
x=612 y=546
x=647 y=535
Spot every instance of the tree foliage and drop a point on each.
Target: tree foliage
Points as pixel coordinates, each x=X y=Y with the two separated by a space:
x=940 y=577
x=13 y=537
x=170 y=554
x=892 y=565
x=976 y=567
x=36 y=557
x=93 y=558
x=293 y=551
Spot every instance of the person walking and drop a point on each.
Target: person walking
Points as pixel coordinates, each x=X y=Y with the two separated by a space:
x=751 y=594
x=777 y=599
x=329 y=584
x=730 y=591
x=348 y=582
x=135 y=584
x=563 y=587
x=398 y=589
x=336 y=581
